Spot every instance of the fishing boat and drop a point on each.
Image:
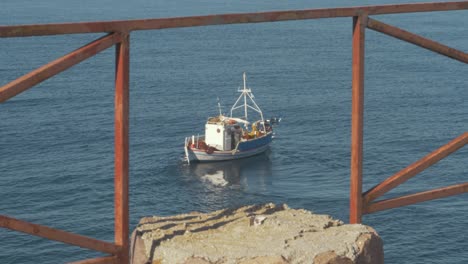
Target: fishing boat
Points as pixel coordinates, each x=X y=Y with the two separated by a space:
x=229 y=137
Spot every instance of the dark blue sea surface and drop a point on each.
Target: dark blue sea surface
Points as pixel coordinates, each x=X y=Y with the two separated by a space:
x=56 y=140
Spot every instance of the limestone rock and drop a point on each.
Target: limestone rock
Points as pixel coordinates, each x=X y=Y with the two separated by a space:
x=273 y=234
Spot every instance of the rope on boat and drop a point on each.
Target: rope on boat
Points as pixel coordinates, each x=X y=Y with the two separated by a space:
x=235 y=150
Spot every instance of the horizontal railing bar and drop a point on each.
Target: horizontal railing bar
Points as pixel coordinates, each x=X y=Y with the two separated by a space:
x=416 y=198
x=192 y=21
x=58 y=235
x=59 y=65
x=100 y=260
x=417 y=40
x=415 y=168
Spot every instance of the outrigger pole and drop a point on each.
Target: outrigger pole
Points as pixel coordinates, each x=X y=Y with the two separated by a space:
x=245 y=97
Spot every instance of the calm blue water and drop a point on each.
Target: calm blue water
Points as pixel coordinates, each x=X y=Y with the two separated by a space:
x=56 y=140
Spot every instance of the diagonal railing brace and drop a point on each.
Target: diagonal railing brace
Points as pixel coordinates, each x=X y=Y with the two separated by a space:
x=416 y=198
x=417 y=40
x=415 y=168
x=58 y=235
x=59 y=65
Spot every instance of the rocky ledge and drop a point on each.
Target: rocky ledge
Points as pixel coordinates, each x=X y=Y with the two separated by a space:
x=253 y=234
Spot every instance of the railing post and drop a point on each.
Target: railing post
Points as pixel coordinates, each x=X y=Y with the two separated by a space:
x=121 y=148
x=357 y=110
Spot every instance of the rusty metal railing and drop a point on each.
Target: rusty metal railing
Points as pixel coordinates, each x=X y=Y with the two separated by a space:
x=118 y=249
x=118 y=33
x=363 y=203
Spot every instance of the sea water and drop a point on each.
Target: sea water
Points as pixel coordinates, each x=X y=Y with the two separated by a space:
x=56 y=139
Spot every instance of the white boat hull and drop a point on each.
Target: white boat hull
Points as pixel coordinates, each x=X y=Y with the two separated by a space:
x=198 y=155
x=245 y=149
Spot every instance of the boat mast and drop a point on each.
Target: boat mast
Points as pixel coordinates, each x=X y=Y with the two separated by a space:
x=246 y=92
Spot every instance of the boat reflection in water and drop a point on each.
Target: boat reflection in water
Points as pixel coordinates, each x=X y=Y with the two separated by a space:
x=253 y=171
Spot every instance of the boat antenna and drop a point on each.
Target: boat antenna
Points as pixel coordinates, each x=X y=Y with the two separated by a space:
x=219 y=107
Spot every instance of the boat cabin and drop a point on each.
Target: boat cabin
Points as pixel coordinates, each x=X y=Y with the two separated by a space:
x=223 y=133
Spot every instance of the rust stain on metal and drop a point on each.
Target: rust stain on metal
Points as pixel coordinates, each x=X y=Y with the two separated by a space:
x=121 y=146
x=177 y=22
x=61 y=64
x=417 y=40
x=416 y=198
x=415 y=168
x=357 y=119
x=57 y=235
x=100 y=260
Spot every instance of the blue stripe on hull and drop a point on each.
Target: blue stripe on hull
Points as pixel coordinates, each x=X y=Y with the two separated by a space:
x=255 y=143
x=252 y=148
